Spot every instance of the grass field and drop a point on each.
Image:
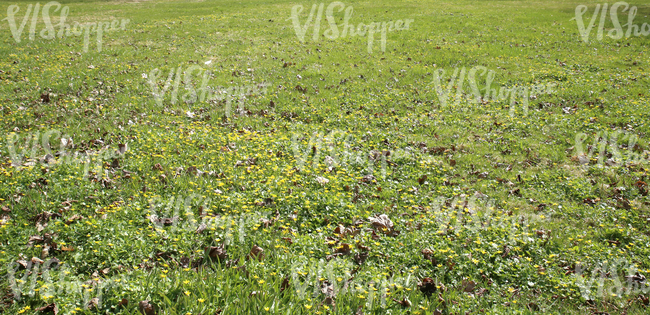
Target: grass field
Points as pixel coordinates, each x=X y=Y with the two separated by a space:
x=215 y=157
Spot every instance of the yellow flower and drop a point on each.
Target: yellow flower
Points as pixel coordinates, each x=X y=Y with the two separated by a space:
x=201 y=300
x=187 y=293
x=307 y=306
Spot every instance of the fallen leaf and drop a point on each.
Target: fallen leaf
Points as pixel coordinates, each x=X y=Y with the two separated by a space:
x=344 y=249
x=94 y=302
x=146 y=308
x=73 y=218
x=285 y=284
x=122 y=148
x=468 y=286
x=35 y=239
x=162 y=221
x=360 y=258
x=363 y=247
x=429 y=255
x=381 y=221
x=215 y=252
x=288 y=240
x=644 y=300
x=201 y=228
x=327 y=289
x=404 y=302
x=50 y=308
x=427 y=286
x=256 y=252
x=322 y=180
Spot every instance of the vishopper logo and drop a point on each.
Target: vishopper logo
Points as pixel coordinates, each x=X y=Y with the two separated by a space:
x=610 y=279
x=311 y=278
x=346 y=28
x=474 y=214
x=37 y=149
x=606 y=147
x=49 y=31
x=477 y=95
x=175 y=215
x=204 y=92
x=456 y=215
x=614 y=33
x=336 y=150
x=24 y=276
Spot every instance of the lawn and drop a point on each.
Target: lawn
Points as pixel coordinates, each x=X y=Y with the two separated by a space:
x=286 y=157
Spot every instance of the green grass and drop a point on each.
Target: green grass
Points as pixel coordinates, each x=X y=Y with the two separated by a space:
x=535 y=214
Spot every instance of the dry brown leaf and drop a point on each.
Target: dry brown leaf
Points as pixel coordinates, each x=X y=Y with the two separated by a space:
x=429 y=255
x=285 y=284
x=122 y=148
x=344 y=249
x=146 y=308
x=404 y=302
x=217 y=252
x=35 y=239
x=422 y=179
x=381 y=221
x=73 y=219
x=363 y=247
x=322 y=180
x=256 y=252
x=94 y=302
x=23 y=263
x=327 y=289
x=50 y=308
x=468 y=286
x=427 y=286
x=360 y=258
x=162 y=221
x=201 y=228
